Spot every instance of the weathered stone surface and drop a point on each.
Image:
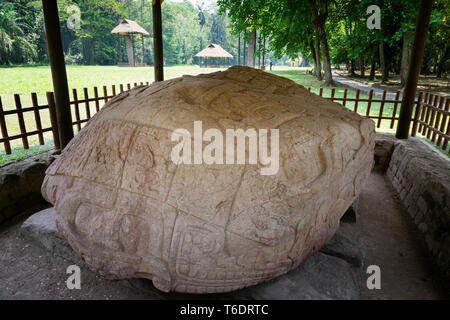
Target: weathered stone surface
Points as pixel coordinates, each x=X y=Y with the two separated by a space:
x=421 y=176
x=130 y=211
x=20 y=184
x=384 y=147
x=341 y=247
x=321 y=277
x=40 y=228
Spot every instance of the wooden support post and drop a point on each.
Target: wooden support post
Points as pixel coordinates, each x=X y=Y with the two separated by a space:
x=415 y=63
x=157 y=41
x=58 y=67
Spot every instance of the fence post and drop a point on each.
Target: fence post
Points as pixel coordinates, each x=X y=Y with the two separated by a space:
x=417 y=114
x=37 y=117
x=105 y=93
x=383 y=99
x=369 y=103
x=4 y=129
x=356 y=100
x=54 y=123
x=438 y=118
x=394 y=112
x=97 y=104
x=23 y=130
x=77 y=109
x=443 y=121
x=86 y=104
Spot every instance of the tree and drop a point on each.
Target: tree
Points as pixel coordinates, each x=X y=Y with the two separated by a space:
x=319 y=11
x=13 y=38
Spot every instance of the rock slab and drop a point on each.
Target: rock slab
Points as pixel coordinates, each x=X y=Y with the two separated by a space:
x=130 y=210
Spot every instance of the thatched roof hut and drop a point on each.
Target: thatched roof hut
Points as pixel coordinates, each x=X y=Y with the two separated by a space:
x=213 y=51
x=129 y=28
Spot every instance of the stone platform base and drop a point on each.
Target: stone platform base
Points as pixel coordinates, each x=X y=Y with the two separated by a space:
x=326 y=275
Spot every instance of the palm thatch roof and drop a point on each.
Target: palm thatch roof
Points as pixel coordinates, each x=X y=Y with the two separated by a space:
x=129 y=27
x=214 y=51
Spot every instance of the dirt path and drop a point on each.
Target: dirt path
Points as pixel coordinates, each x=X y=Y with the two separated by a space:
x=389 y=239
x=363 y=87
x=384 y=231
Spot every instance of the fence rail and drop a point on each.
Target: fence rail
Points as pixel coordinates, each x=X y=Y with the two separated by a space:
x=431 y=113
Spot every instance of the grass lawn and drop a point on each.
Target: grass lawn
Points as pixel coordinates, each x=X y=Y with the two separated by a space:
x=24 y=80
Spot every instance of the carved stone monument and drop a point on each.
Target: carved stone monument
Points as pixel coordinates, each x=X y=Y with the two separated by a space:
x=129 y=211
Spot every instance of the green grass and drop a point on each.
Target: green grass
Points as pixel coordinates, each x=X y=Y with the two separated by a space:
x=24 y=80
x=20 y=153
x=308 y=80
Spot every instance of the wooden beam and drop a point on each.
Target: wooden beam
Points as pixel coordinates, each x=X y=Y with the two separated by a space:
x=58 y=67
x=157 y=41
x=415 y=63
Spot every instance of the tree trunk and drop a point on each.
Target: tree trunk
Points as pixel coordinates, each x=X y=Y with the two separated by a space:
x=317 y=58
x=264 y=54
x=405 y=58
x=352 y=67
x=373 y=66
x=130 y=50
x=325 y=55
x=244 y=56
x=313 y=53
x=251 y=48
x=319 y=18
x=384 y=69
x=239 y=50
x=442 y=62
x=362 y=67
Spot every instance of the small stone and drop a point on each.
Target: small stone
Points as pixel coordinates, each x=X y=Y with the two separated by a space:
x=40 y=228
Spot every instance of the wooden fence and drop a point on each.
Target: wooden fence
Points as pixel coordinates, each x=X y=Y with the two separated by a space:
x=431 y=113
x=76 y=104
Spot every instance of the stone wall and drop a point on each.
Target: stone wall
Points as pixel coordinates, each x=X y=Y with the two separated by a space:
x=421 y=176
x=20 y=184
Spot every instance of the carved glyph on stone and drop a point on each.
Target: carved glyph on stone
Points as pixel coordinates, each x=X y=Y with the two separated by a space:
x=129 y=211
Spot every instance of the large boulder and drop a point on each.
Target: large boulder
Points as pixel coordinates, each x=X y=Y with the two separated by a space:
x=130 y=210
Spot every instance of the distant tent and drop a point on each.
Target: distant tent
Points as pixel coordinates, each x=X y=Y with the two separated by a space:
x=129 y=28
x=213 y=51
